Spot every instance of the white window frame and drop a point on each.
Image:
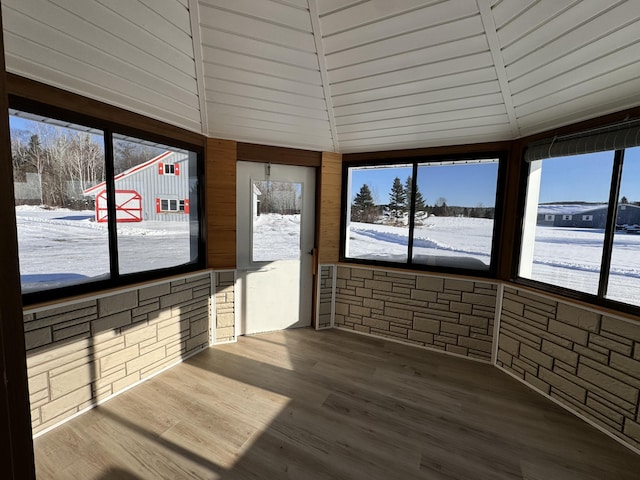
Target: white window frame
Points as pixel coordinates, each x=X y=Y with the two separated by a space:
x=567 y=217
x=587 y=218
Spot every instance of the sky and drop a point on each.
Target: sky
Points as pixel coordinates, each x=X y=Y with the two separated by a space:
x=583 y=178
x=463 y=185
x=587 y=178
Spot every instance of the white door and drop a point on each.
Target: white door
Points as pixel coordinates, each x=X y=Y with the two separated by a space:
x=275 y=237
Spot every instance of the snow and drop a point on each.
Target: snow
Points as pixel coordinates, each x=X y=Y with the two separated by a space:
x=276 y=237
x=61 y=247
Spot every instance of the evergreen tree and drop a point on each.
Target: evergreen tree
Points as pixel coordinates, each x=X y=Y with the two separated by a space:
x=363 y=209
x=397 y=199
x=420 y=205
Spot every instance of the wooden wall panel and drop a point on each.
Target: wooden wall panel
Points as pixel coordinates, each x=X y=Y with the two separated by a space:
x=329 y=208
x=220 y=194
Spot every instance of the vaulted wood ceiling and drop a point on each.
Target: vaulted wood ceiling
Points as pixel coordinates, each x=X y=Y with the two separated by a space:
x=338 y=75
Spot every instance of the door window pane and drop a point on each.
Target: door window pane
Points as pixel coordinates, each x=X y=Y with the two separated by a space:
x=624 y=274
x=566 y=211
x=59 y=241
x=152 y=232
x=454 y=214
x=276 y=211
x=378 y=213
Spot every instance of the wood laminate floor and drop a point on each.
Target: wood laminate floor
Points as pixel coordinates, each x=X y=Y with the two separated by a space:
x=302 y=404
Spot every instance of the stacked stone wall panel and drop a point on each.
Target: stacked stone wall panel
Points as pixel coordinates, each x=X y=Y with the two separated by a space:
x=325 y=296
x=82 y=353
x=453 y=315
x=225 y=306
x=586 y=360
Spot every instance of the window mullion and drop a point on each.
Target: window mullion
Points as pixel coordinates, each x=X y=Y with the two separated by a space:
x=610 y=227
x=412 y=208
x=112 y=224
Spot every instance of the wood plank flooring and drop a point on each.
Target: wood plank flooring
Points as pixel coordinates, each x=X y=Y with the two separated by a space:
x=333 y=405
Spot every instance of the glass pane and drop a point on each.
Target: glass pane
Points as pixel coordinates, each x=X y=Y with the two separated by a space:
x=624 y=276
x=378 y=213
x=276 y=220
x=59 y=241
x=563 y=238
x=152 y=232
x=455 y=210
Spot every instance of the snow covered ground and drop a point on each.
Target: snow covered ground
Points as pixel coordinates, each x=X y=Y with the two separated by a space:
x=63 y=246
x=567 y=257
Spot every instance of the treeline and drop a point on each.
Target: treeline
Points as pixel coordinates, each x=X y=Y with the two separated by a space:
x=278 y=197
x=66 y=162
x=364 y=209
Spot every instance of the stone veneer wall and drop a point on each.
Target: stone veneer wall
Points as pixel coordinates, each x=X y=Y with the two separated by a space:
x=225 y=306
x=454 y=315
x=83 y=352
x=585 y=360
x=325 y=296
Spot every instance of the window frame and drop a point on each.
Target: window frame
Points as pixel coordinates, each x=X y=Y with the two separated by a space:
x=599 y=299
x=110 y=128
x=414 y=161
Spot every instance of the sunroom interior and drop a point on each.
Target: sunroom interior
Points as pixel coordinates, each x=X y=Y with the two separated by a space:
x=443 y=195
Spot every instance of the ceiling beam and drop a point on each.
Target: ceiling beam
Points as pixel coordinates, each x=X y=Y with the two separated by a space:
x=196 y=38
x=322 y=63
x=498 y=61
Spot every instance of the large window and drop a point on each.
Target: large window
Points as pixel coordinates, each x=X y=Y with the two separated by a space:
x=581 y=223
x=435 y=214
x=96 y=208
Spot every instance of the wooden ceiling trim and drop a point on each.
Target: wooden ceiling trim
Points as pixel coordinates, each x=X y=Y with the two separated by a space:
x=498 y=61
x=250 y=152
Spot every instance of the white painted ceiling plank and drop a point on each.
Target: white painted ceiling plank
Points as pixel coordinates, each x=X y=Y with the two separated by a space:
x=253 y=91
x=258 y=79
x=539 y=14
x=417 y=20
x=249 y=46
x=424 y=136
x=194 y=19
x=214 y=57
x=135 y=37
x=148 y=20
x=574 y=92
x=459 y=48
x=265 y=105
x=578 y=58
x=561 y=36
x=429 y=142
x=328 y=6
x=478 y=89
x=428 y=85
x=172 y=11
x=271 y=137
x=427 y=128
x=273 y=12
x=498 y=62
x=257 y=29
x=83 y=57
x=369 y=12
x=424 y=119
x=506 y=11
x=608 y=100
x=253 y=114
x=577 y=75
x=443 y=106
x=128 y=100
x=322 y=63
x=305 y=130
x=428 y=37
x=433 y=70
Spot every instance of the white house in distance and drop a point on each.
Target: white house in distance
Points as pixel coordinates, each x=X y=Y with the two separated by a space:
x=155 y=190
